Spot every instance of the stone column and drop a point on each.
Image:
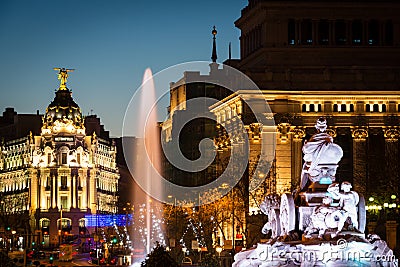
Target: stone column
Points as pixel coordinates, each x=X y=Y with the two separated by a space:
x=360 y=136
x=391 y=135
x=364 y=40
x=53 y=191
x=297 y=32
x=332 y=40
x=315 y=31
x=297 y=155
x=391 y=227
x=72 y=192
x=283 y=158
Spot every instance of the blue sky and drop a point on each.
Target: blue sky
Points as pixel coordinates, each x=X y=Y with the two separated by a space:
x=109 y=43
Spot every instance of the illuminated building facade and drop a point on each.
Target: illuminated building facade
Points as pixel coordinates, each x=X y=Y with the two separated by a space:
x=61 y=175
x=337 y=59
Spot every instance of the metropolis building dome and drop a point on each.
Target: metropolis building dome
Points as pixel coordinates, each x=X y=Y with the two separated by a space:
x=64 y=170
x=63 y=115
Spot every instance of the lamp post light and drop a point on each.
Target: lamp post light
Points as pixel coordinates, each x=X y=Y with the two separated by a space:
x=60 y=230
x=219 y=250
x=13 y=232
x=199 y=250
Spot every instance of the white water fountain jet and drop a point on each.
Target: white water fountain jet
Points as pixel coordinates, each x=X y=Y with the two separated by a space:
x=148 y=161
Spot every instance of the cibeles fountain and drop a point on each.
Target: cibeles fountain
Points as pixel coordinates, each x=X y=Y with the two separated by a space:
x=322 y=223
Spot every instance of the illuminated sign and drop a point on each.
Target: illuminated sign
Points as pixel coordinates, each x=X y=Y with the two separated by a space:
x=64 y=139
x=103 y=220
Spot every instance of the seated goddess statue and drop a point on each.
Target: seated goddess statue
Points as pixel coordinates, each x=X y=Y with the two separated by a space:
x=321 y=156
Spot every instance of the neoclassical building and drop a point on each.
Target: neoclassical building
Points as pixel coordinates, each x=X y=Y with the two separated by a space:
x=60 y=176
x=337 y=59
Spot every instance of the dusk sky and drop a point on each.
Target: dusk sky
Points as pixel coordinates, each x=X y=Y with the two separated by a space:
x=109 y=43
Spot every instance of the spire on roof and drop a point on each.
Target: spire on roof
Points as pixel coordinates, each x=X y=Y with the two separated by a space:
x=214 y=49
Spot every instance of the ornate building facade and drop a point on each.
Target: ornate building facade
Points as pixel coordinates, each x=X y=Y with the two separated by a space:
x=337 y=59
x=61 y=175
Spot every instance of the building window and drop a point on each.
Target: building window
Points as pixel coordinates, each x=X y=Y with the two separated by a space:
x=45 y=223
x=335 y=108
x=291 y=32
x=398 y=107
x=351 y=108
x=304 y=108
x=373 y=32
x=319 y=108
x=82 y=222
x=375 y=108
x=312 y=109
x=323 y=32
x=340 y=32
x=389 y=32
x=65 y=223
x=306 y=32
x=48 y=203
x=357 y=32
x=343 y=108
x=383 y=108
x=64 y=158
x=63 y=182
x=367 y=108
x=48 y=158
x=79 y=202
x=64 y=202
x=78 y=158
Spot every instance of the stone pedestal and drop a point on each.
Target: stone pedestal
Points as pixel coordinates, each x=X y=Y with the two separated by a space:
x=391 y=227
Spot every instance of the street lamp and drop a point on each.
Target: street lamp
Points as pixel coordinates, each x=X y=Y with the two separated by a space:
x=199 y=250
x=219 y=250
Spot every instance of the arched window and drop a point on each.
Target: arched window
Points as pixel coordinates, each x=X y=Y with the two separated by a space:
x=319 y=108
x=44 y=222
x=66 y=223
x=312 y=109
x=82 y=222
x=343 y=108
x=351 y=108
x=368 y=107
x=375 y=108
x=383 y=108
x=304 y=108
x=335 y=108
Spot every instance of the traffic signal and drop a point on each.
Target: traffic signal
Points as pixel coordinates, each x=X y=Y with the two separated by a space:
x=51 y=259
x=33 y=243
x=114 y=240
x=8 y=228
